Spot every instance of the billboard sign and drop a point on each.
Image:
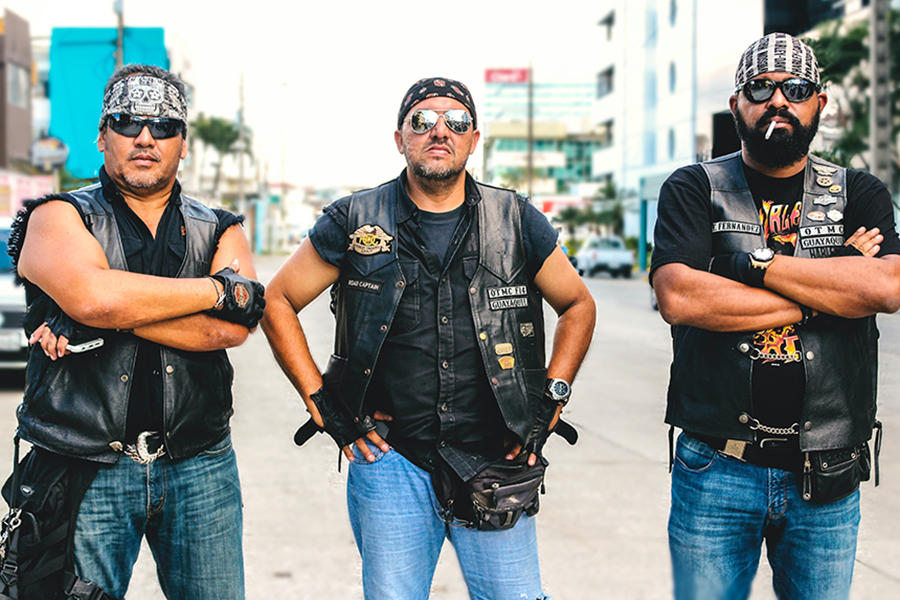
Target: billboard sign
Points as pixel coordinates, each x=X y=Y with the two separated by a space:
x=506 y=76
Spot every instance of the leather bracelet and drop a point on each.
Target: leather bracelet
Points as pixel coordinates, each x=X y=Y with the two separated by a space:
x=807 y=314
x=221 y=294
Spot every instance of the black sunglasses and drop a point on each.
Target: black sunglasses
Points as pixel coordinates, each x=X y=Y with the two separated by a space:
x=161 y=128
x=795 y=89
x=457 y=120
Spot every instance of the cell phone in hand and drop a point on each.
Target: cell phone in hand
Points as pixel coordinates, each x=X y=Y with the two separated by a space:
x=84 y=347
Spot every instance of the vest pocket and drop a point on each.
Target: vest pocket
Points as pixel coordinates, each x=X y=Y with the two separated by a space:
x=408 y=311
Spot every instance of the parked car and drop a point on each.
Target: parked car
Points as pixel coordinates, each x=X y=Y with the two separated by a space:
x=605 y=254
x=13 y=343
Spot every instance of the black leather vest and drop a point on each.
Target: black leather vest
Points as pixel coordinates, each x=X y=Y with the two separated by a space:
x=506 y=306
x=78 y=405
x=709 y=389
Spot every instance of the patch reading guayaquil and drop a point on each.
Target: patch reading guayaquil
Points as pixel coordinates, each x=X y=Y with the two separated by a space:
x=502 y=298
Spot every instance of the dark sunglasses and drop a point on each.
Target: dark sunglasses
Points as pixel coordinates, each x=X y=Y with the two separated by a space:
x=130 y=126
x=795 y=89
x=457 y=120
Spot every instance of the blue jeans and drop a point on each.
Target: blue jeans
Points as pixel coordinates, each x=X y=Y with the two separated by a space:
x=399 y=530
x=190 y=511
x=722 y=511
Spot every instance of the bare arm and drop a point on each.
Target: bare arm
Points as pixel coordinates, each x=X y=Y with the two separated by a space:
x=687 y=296
x=850 y=287
x=564 y=290
x=60 y=256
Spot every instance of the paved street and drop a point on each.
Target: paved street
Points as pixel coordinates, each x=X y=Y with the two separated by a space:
x=602 y=526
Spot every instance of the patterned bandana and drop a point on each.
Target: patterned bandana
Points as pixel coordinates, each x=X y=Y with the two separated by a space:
x=777 y=53
x=435 y=87
x=144 y=96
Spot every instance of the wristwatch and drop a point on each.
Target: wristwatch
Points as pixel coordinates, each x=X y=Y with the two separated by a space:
x=558 y=390
x=760 y=259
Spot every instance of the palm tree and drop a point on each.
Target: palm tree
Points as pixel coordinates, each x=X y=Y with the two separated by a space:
x=221 y=135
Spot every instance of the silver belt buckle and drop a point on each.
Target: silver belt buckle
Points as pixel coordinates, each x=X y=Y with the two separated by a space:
x=735 y=448
x=140 y=452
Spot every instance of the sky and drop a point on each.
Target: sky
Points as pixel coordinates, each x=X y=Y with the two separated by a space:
x=323 y=80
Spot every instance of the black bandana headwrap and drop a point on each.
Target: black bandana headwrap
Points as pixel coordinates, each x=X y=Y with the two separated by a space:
x=777 y=52
x=436 y=87
x=144 y=96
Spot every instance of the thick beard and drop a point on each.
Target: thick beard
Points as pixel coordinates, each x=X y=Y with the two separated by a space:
x=784 y=148
x=436 y=179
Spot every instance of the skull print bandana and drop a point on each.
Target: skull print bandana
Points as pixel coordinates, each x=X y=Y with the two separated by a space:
x=145 y=96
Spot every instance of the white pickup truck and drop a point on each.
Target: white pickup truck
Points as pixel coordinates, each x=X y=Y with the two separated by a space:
x=605 y=254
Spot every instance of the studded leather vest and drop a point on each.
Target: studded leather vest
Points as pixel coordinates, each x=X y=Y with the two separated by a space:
x=711 y=375
x=505 y=305
x=78 y=405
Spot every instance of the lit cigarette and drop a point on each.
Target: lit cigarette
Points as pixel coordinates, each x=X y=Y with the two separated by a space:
x=770 y=129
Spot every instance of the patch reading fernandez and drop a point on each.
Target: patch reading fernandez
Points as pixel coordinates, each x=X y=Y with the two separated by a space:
x=721 y=226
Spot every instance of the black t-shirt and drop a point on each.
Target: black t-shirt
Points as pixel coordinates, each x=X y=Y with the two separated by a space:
x=430 y=375
x=683 y=235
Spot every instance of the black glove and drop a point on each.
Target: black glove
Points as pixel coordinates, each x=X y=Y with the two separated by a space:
x=244 y=298
x=343 y=429
x=45 y=310
x=737 y=267
x=540 y=431
x=847 y=250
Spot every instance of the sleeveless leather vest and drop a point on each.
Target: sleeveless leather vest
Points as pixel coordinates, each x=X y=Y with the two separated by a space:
x=710 y=385
x=506 y=307
x=78 y=405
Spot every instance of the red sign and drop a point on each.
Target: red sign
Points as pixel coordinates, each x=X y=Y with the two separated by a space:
x=506 y=76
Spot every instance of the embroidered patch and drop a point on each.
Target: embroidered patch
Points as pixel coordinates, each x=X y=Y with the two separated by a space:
x=502 y=298
x=815 y=230
x=822 y=241
x=241 y=295
x=365 y=285
x=501 y=349
x=835 y=189
x=816 y=216
x=824 y=181
x=508 y=303
x=823 y=170
x=526 y=329
x=736 y=226
x=824 y=200
x=369 y=240
x=507 y=362
x=835 y=215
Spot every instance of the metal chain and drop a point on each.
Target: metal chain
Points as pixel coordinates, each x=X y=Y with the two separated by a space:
x=792 y=430
x=756 y=355
x=10 y=523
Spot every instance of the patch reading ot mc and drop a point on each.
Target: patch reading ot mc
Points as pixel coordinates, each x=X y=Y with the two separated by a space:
x=502 y=298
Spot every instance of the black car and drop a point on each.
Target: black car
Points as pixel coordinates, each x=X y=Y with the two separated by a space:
x=13 y=343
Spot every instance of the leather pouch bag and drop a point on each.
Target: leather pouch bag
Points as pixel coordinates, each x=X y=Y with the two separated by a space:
x=504 y=490
x=830 y=475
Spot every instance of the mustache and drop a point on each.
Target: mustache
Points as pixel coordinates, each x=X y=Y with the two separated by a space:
x=773 y=112
x=143 y=154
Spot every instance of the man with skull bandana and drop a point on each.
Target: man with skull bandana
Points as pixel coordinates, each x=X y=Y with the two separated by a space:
x=152 y=276
x=770 y=264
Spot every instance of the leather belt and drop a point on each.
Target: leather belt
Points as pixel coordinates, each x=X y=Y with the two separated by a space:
x=778 y=452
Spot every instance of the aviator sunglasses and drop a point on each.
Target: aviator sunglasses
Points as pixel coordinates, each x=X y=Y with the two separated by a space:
x=794 y=89
x=161 y=128
x=457 y=120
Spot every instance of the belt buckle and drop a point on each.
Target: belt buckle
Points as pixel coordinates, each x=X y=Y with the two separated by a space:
x=140 y=452
x=735 y=448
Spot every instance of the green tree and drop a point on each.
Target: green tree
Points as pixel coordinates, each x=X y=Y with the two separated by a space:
x=221 y=135
x=843 y=54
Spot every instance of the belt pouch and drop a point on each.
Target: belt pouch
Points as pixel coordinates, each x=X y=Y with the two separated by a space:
x=504 y=490
x=830 y=475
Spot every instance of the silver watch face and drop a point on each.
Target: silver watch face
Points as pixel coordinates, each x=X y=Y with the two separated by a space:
x=559 y=389
x=763 y=254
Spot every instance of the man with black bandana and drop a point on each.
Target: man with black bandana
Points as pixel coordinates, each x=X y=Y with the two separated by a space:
x=148 y=277
x=439 y=352
x=771 y=264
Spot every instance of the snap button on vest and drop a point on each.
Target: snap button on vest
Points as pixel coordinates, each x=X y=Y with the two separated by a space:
x=170 y=369
x=744 y=418
x=124 y=378
x=383 y=328
x=400 y=284
x=472 y=290
x=482 y=335
x=745 y=347
x=807 y=426
x=810 y=355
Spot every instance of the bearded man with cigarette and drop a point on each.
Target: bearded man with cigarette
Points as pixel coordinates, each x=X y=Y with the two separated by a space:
x=771 y=264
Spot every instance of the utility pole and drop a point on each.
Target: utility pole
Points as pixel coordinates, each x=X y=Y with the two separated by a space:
x=880 y=110
x=242 y=147
x=119 y=9
x=530 y=165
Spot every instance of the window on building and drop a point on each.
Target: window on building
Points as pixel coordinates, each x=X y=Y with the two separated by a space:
x=649 y=147
x=605 y=82
x=673 y=11
x=672 y=77
x=18 y=85
x=608 y=21
x=650 y=89
x=651 y=25
x=605 y=133
x=671 y=143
